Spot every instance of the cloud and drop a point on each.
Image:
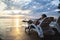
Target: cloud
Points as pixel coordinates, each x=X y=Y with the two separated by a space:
x=2 y=6
x=55 y=2
x=21 y=0
x=30 y=7
x=15 y=12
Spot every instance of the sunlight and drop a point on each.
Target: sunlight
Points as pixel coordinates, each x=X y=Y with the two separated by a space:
x=21 y=11
x=16 y=11
x=17 y=23
x=17 y=30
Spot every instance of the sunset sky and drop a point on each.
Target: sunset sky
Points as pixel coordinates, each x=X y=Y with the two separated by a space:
x=29 y=7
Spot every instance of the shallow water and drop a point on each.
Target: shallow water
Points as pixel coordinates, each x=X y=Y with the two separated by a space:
x=13 y=29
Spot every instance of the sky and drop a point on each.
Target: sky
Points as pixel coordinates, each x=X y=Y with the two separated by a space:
x=29 y=7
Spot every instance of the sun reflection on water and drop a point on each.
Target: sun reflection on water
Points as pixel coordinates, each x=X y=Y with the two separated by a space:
x=16 y=25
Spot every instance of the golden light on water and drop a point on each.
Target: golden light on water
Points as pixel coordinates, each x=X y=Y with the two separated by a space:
x=16 y=30
x=17 y=23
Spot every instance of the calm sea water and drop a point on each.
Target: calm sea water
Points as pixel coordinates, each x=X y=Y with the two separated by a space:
x=7 y=23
